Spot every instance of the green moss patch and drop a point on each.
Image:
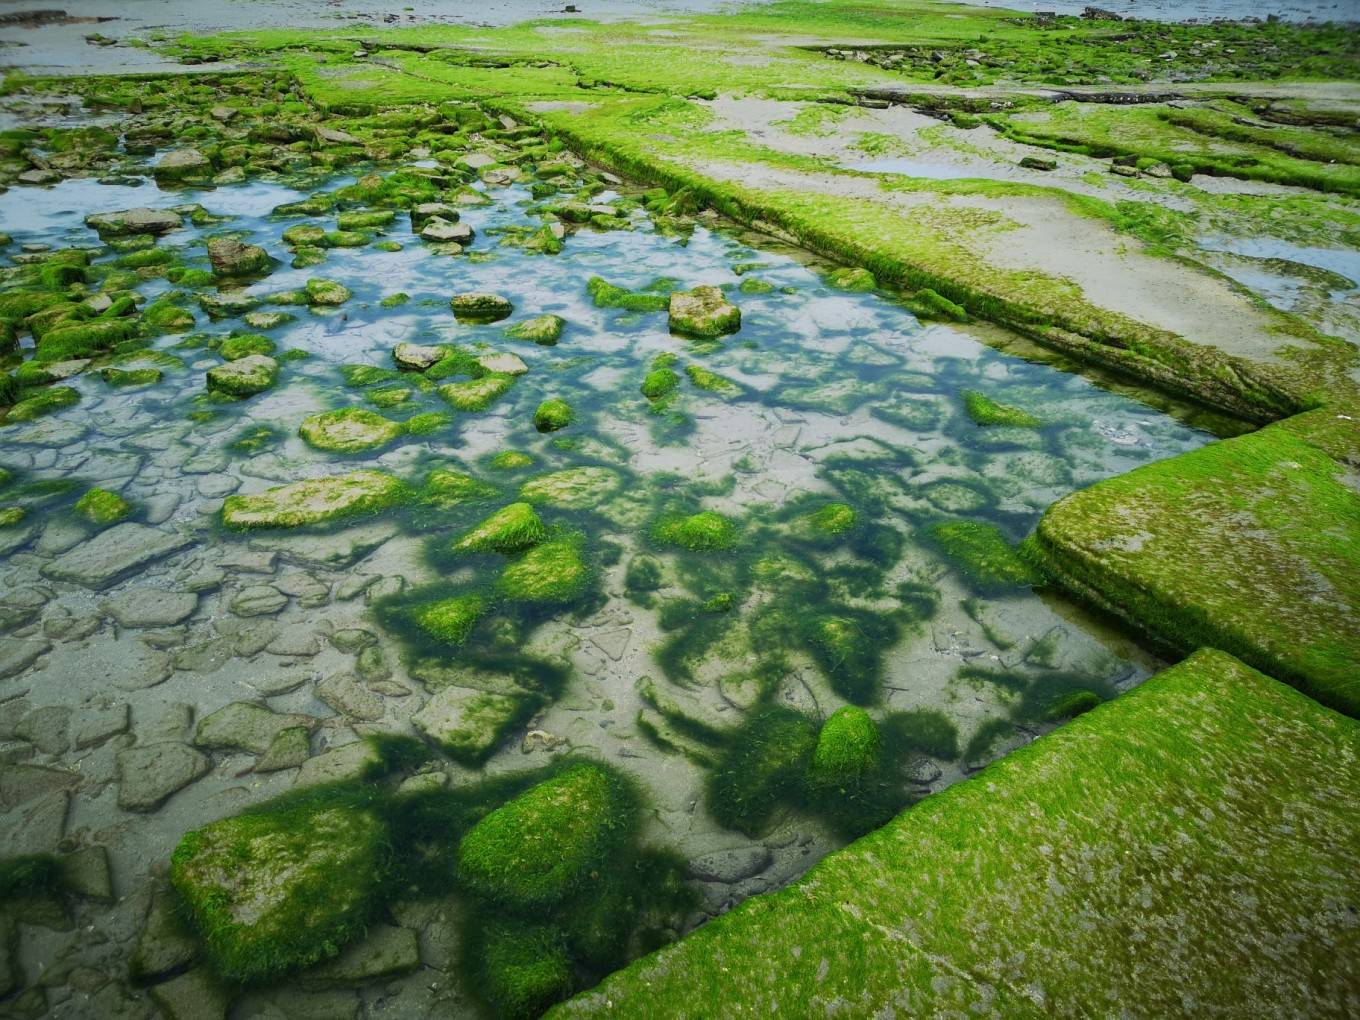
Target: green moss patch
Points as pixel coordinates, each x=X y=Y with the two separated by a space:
x=508 y=530
x=314 y=501
x=705 y=531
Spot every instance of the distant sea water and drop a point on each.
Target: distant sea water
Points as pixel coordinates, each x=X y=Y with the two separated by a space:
x=1195 y=10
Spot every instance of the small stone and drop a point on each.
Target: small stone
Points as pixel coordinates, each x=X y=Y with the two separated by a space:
x=290 y=749
x=415 y=357
x=242 y=726
x=113 y=554
x=134 y=221
x=504 y=362
x=385 y=951
x=353 y=639
x=147 y=775
x=349 y=698
x=703 y=312
x=258 y=600
x=326 y=293
x=468 y=724
x=164 y=943
x=730 y=865
x=141 y=607
x=16 y=655
x=372 y=665
x=95 y=725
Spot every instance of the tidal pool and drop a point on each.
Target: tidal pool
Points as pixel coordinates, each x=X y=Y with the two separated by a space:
x=820 y=512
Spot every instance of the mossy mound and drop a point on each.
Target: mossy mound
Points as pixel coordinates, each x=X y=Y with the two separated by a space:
x=703 y=312
x=326 y=292
x=711 y=381
x=852 y=278
x=849 y=646
x=233 y=348
x=553 y=571
x=705 y=531
x=763 y=766
x=523 y=968
x=273 y=891
x=477 y=394
x=243 y=377
x=659 y=382
x=348 y=430
x=508 y=530
x=314 y=501
x=832 y=520
x=49 y=401
x=987 y=412
x=547 y=843
x=479 y=306
x=572 y=488
x=607 y=295
x=848 y=750
x=544 y=330
x=553 y=414
x=983 y=555
x=450 y=621
x=447 y=487
x=469 y=725
x=100 y=506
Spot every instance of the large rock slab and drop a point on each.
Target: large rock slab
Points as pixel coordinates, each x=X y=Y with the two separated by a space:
x=114 y=554
x=148 y=774
x=134 y=221
x=313 y=501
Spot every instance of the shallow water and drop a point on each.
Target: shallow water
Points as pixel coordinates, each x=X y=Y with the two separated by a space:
x=842 y=396
x=1196 y=10
x=909 y=167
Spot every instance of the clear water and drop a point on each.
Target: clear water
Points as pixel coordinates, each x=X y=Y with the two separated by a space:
x=843 y=396
x=1195 y=10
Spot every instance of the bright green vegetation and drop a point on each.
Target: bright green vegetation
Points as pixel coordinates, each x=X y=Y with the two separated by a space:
x=705 y=531
x=450 y=620
x=46 y=402
x=1250 y=544
x=524 y=967
x=571 y=488
x=986 y=411
x=545 y=330
x=848 y=749
x=711 y=381
x=552 y=572
x=480 y=307
x=831 y=520
x=1007 y=872
x=508 y=530
x=130 y=376
x=326 y=293
x=607 y=295
x=244 y=345
x=659 y=382
x=703 y=312
x=477 y=394
x=244 y=377
x=348 y=430
x=100 y=506
x=852 y=278
x=314 y=501
x=553 y=414
x=983 y=555
x=269 y=892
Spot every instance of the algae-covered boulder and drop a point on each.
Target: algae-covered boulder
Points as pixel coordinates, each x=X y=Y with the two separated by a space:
x=829 y=521
x=705 y=531
x=243 y=345
x=852 y=279
x=986 y=412
x=477 y=394
x=244 y=377
x=447 y=487
x=479 y=306
x=703 y=312
x=549 y=842
x=182 y=165
x=314 y=500
x=442 y=231
x=502 y=362
x=572 y=488
x=131 y=222
x=659 y=382
x=48 y=401
x=415 y=357
x=229 y=257
x=423 y=212
x=544 y=330
x=983 y=555
x=450 y=620
x=523 y=968
x=100 y=506
x=553 y=571
x=509 y=529
x=273 y=891
x=764 y=764
x=348 y=430
x=848 y=749
x=469 y=724
x=553 y=414
x=326 y=292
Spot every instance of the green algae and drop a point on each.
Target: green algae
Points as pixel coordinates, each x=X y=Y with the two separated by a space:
x=348 y=430
x=510 y=529
x=571 y=488
x=705 y=531
x=553 y=414
x=608 y=295
x=100 y=506
x=450 y=621
x=545 y=330
x=314 y=501
x=477 y=394
x=983 y=555
x=554 y=571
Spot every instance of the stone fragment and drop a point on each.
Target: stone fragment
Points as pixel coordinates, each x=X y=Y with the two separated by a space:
x=258 y=600
x=242 y=726
x=289 y=750
x=735 y=865
x=182 y=165
x=113 y=554
x=469 y=724
x=134 y=221
x=17 y=655
x=96 y=724
x=140 y=608
x=196 y=995
x=46 y=729
x=343 y=693
x=338 y=764
x=149 y=774
x=164 y=943
x=385 y=951
x=313 y=500
x=415 y=357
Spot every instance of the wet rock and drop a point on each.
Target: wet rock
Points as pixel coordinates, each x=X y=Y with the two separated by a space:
x=344 y=694
x=164 y=944
x=258 y=600
x=243 y=377
x=113 y=554
x=11 y=976
x=197 y=995
x=338 y=765
x=86 y=873
x=371 y=664
x=385 y=951
x=353 y=639
x=242 y=726
x=348 y=430
x=290 y=749
x=735 y=865
x=17 y=655
x=37 y=826
x=46 y=728
x=149 y=774
x=97 y=723
x=426 y=211
x=300 y=640
x=703 y=312
x=505 y=363
x=142 y=608
x=313 y=500
x=442 y=231
x=326 y=292
x=134 y=221
x=335 y=136
x=479 y=306
x=468 y=724
x=414 y=357
x=230 y=257
x=1039 y=163
x=182 y=165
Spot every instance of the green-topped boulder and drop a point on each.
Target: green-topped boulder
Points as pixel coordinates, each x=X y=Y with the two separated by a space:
x=848 y=750
x=468 y=725
x=523 y=968
x=233 y=348
x=659 y=382
x=572 y=488
x=986 y=412
x=449 y=621
x=549 y=842
x=544 y=330
x=244 y=377
x=348 y=430
x=476 y=394
x=130 y=376
x=709 y=380
x=703 y=312
x=553 y=571
x=509 y=529
x=852 y=279
x=100 y=506
x=983 y=555
x=229 y=257
x=705 y=531
x=552 y=415
x=827 y=522
x=273 y=891
x=48 y=401
x=479 y=306
x=326 y=292
x=314 y=500
x=447 y=487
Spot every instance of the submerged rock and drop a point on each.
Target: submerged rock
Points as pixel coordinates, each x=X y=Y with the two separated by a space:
x=552 y=415
x=553 y=571
x=476 y=394
x=182 y=165
x=509 y=529
x=273 y=891
x=229 y=257
x=703 y=312
x=415 y=357
x=349 y=430
x=130 y=222
x=244 y=377
x=441 y=230
x=314 y=500
x=326 y=292
x=573 y=488
x=469 y=725
x=242 y=726
x=113 y=554
x=853 y=279
x=479 y=306
x=148 y=774
x=544 y=330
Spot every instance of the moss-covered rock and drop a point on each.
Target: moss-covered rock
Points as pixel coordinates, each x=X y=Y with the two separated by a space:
x=479 y=306
x=244 y=377
x=849 y=749
x=180 y=166
x=986 y=411
x=983 y=555
x=608 y=295
x=233 y=348
x=477 y=394
x=230 y=257
x=100 y=506
x=447 y=487
x=130 y=376
x=273 y=891
x=572 y=488
x=552 y=571
x=511 y=460
x=131 y=222
x=348 y=430
x=552 y=414
x=508 y=530
x=830 y=521
x=469 y=725
x=763 y=765
x=314 y=500
x=852 y=278
x=659 y=382
x=48 y=401
x=523 y=968
x=304 y=235
x=326 y=292
x=544 y=330
x=703 y=312
x=709 y=380
x=705 y=531
x=549 y=842
x=450 y=620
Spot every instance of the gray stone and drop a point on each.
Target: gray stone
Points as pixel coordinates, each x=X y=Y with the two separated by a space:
x=86 y=873
x=300 y=640
x=229 y=257
x=289 y=750
x=143 y=607
x=182 y=164
x=47 y=729
x=384 y=952
x=96 y=724
x=441 y=230
x=372 y=665
x=37 y=827
x=134 y=221
x=349 y=698
x=113 y=554
x=258 y=600
x=148 y=775
x=164 y=943
x=338 y=764
x=729 y=866
x=416 y=357
x=17 y=655
x=242 y=726
x=353 y=639
x=196 y=995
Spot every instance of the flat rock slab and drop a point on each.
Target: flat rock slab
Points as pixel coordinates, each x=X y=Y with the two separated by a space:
x=148 y=775
x=1071 y=875
x=110 y=556
x=17 y=655
x=141 y=607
